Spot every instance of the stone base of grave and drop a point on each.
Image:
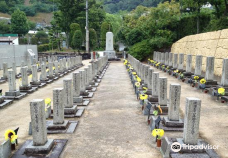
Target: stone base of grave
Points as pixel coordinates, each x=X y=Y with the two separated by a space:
x=61 y=75
x=28 y=89
x=86 y=94
x=2 y=81
x=3 y=78
x=68 y=127
x=70 y=111
x=94 y=84
x=44 y=81
x=153 y=99
x=45 y=149
x=16 y=95
x=4 y=103
x=91 y=89
x=56 y=78
x=80 y=101
x=57 y=146
x=168 y=125
x=73 y=112
x=149 y=92
x=183 y=153
x=49 y=81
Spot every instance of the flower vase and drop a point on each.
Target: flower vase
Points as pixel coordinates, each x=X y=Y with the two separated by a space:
x=158 y=142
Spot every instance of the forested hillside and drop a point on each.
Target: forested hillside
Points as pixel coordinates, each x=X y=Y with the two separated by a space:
x=113 y=6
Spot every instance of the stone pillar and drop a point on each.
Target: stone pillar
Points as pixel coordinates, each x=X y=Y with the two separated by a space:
x=86 y=76
x=90 y=73
x=224 y=79
x=191 y=121
x=5 y=70
x=11 y=80
x=43 y=75
x=166 y=58
x=155 y=80
x=76 y=84
x=14 y=68
x=174 y=102
x=68 y=93
x=24 y=76
x=162 y=91
x=210 y=69
x=58 y=107
x=175 y=60
x=50 y=66
x=189 y=63
x=155 y=56
x=181 y=62
x=150 y=74
x=39 y=129
x=56 y=63
x=29 y=65
x=163 y=58
x=170 y=59
x=82 y=79
x=198 y=66
x=34 y=73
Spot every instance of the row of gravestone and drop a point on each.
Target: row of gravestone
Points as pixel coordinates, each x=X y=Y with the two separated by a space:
x=60 y=68
x=163 y=114
x=169 y=63
x=66 y=100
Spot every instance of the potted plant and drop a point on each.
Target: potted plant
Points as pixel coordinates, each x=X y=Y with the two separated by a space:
x=10 y=134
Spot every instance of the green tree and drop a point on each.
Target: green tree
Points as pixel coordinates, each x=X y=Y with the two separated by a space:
x=4 y=27
x=73 y=27
x=77 y=40
x=41 y=34
x=19 y=23
x=3 y=7
x=92 y=39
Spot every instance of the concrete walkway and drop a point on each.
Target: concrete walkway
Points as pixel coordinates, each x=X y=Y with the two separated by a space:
x=113 y=125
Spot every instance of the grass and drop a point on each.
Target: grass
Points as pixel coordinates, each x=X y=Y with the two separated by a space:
x=41 y=17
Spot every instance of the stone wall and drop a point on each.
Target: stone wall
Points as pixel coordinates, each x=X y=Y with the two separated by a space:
x=16 y=53
x=205 y=44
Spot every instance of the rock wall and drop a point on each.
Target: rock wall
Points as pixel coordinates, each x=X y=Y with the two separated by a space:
x=205 y=44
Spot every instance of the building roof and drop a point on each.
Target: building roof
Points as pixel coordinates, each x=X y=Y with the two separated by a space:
x=7 y=39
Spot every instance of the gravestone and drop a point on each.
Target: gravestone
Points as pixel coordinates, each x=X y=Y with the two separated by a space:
x=76 y=88
x=43 y=76
x=166 y=58
x=50 y=74
x=210 y=69
x=35 y=81
x=56 y=63
x=58 y=107
x=69 y=108
x=198 y=67
x=5 y=71
x=175 y=61
x=5 y=149
x=189 y=63
x=26 y=87
x=150 y=74
x=173 y=121
x=170 y=59
x=191 y=121
x=155 y=80
x=162 y=58
x=40 y=143
x=162 y=91
x=224 y=79
x=181 y=62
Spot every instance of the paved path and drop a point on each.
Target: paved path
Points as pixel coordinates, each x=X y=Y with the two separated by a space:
x=113 y=125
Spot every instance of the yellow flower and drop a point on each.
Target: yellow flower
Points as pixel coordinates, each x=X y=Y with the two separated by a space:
x=137 y=84
x=30 y=76
x=143 y=96
x=139 y=79
x=133 y=73
x=221 y=91
x=196 y=77
x=158 y=132
x=47 y=70
x=53 y=68
x=203 y=81
x=10 y=134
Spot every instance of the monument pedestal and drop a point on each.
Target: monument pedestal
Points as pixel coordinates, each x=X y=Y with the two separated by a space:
x=27 y=89
x=4 y=102
x=14 y=95
x=168 y=125
x=80 y=101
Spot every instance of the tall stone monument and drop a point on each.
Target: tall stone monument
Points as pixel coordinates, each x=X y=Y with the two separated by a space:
x=109 y=51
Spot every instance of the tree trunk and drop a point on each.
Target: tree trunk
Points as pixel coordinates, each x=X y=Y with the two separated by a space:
x=67 y=40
